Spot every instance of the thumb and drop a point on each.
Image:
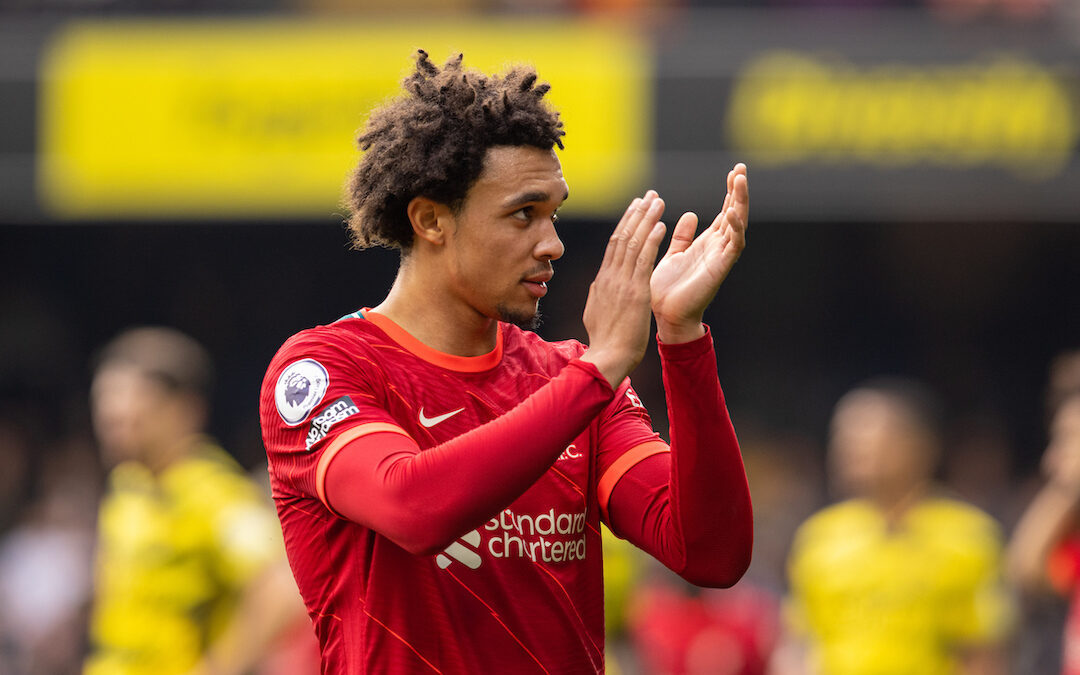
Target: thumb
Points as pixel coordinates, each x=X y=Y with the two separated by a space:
x=683 y=234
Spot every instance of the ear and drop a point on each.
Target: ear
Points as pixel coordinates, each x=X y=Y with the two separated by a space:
x=429 y=219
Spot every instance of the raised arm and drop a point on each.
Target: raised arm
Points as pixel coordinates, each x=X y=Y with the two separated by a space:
x=686 y=280
x=1052 y=514
x=692 y=509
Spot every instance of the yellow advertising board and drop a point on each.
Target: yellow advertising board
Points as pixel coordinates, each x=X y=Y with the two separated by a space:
x=1002 y=110
x=258 y=118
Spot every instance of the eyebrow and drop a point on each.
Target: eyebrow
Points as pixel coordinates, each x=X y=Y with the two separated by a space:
x=535 y=196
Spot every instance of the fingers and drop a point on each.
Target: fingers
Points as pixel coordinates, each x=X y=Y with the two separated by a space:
x=646 y=260
x=730 y=187
x=739 y=184
x=626 y=232
x=638 y=237
x=630 y=239
x=616 y=238
x=736 y=201
x=739 y=213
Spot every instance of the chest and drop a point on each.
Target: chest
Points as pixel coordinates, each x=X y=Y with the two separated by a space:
x=901 y=567
x=435 y=406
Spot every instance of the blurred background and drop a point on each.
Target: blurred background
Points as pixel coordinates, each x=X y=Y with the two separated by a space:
x=915 y=174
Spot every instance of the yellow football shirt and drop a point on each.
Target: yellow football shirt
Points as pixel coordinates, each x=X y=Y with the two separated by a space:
x=174 y=551
x=870 y=601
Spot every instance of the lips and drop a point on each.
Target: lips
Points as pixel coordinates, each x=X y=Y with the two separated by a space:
x=537 y=283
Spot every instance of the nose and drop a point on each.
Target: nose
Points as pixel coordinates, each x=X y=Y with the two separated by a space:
x=550 y=247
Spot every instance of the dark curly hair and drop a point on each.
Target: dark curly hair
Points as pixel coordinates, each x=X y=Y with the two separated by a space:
x=432 y=142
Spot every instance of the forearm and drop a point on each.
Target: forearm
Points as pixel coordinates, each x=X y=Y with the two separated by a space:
x=691 y=510
x=424 y=500
x=710 y=498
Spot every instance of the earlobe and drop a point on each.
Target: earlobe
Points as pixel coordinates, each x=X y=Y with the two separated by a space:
x=429 y=219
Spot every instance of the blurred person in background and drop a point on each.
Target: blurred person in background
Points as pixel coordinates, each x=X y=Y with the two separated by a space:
x=45 y=557
x=441 y=472
x=675 y=628
x=900 y=578
x=1044 y=552
x=190 y=574
x=680 y=629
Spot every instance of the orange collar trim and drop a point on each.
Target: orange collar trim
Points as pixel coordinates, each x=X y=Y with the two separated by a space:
x=464 y=364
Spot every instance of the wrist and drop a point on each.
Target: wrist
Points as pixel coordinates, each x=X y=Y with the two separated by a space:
x=610 y=366
x=673 y=333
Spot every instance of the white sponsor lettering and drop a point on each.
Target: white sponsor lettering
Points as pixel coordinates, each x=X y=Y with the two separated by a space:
x=545 y=537
x=571 y=452
x=334 y=413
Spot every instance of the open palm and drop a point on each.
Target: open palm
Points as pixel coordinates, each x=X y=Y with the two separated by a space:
x=687 y=278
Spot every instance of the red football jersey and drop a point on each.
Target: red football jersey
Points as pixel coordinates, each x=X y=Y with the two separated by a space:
x=523 y=592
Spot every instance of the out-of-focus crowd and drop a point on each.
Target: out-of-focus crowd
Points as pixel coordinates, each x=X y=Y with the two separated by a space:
x=134 y=543
x=911 y=549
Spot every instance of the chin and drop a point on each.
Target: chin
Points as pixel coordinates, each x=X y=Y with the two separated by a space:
x=529 y=320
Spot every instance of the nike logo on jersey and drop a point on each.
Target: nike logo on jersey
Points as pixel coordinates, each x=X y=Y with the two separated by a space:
x=429 y=422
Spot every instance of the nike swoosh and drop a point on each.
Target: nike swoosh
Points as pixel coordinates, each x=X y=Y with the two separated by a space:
x=432 y=421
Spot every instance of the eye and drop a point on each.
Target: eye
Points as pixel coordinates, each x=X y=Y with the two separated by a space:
x=523 y=214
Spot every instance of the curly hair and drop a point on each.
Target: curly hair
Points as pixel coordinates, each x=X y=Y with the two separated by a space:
x=432 y=142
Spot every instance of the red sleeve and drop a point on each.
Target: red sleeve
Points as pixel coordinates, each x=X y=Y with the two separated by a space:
x=625 y=438
x=317 y=387
x=424 y=500
x=691 y=508
x=1063 y=565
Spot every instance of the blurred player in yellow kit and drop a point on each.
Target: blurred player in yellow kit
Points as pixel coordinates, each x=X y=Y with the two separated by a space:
x=899 y=579
x=190 y=574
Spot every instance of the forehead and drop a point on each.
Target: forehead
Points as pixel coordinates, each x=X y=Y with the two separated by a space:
x=521 y=170
x=864 y=408
x=118 y=378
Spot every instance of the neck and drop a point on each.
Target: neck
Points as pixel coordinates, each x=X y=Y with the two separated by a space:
x=170 y=452
x=895 y=505
x=432 y=315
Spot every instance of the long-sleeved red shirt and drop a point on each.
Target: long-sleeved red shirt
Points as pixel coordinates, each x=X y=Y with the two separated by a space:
x=443 y=512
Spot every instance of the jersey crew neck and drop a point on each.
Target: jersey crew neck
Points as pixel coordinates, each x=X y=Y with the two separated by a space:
x=461 y=364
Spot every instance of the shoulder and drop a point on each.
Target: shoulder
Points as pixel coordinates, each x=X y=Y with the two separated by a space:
x=835 y=519
x=312 y=354
x=208 y=472
x=346 y=334
x=951 y=520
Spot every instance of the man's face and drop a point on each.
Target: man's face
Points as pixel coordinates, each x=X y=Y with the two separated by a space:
x=129 y=411
x=876 y=448
x=503 y=240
